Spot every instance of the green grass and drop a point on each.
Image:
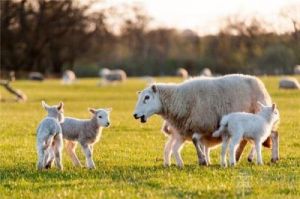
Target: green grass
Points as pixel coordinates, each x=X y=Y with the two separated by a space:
x=129 y=155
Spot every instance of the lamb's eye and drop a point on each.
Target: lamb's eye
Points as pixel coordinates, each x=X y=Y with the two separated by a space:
x=147 y=97
x=100 y=116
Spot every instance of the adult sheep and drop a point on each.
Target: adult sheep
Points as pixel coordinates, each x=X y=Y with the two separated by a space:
x=112 y=75
x=196 y=106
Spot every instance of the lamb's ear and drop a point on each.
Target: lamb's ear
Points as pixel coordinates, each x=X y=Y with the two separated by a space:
x=92 y=110
x=60 y=106
x=154 y=88
x=273 y=106
x=44 y=105
x=108 y=109
x=260 y=104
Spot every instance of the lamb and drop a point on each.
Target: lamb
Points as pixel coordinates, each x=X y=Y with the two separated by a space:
x=112 y=75
x=197 y=105
x=49 y=137
x=85 y=131
x=181 y=72
x=176 y=141
x=289 y=83
x=240 y=125
x=68 y=77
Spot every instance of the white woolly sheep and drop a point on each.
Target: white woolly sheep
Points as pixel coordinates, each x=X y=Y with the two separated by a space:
x=37 y=76
x=85 y=131
x=197 y=105
x=109 y=76
x=240 y=125
x=181 y=72
x=289 y=83
x=297 y=70
x=49 y=137
x=68 y=77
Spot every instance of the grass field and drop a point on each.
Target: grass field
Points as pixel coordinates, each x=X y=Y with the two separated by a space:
x=129 y=155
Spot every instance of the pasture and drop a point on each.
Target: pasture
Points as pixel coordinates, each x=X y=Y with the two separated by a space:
x=129 y=155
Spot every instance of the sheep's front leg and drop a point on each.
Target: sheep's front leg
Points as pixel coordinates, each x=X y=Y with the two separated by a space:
x=275 y=146
x=200 y=153
x=240 y=150
x=258 y=152
x=168 y=150
x=70 y=147
x=88 y=155
x=176 y=151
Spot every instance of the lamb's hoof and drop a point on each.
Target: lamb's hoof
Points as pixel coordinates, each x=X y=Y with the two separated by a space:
x=223 y=165
x=166 y=165
x=250 y=160
x=232 y=164
x=203 y=163
x=48 y=166
x=274 y=160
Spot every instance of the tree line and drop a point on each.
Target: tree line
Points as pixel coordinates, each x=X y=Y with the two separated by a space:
x=51 y=36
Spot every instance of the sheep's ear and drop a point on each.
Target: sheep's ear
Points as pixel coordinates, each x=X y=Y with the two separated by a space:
x=273 y=106
x=44 y=105
x=92 y=110
x=108 y=109
x=154 y=88
x=60 y=106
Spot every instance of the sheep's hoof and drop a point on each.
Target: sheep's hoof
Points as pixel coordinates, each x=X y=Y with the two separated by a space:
x=232 y=164
x=274 y=160
x=203 y=163
x=48 y=166
x=250 y=160
x=166 y=165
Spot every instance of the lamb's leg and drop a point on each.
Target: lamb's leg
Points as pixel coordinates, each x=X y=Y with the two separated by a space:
x=70 y=147
x=176 y=151
x=207 y=151
x=235 y=140
x=58 y=147
x=258 y=152
x=251 y=154
x=168 y=150
x=51 y=157
x=41 y=154
x=88 y=155
x=223 y=151
x=240 y=150
x=201 y=156
x=275 y=146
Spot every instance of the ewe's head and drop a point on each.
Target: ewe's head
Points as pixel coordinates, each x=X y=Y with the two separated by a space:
x=270 y=111
x=101 y=116
x=148 y=104
x=56 y=111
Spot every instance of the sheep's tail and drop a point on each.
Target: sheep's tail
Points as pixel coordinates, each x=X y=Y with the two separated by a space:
x=222 y=128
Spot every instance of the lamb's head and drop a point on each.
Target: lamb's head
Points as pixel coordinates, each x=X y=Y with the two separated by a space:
x=148 y=104
x=270 y=111
x=56 y=111
x=101 y=116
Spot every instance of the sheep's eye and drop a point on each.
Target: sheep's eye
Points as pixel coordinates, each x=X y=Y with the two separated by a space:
x=147 y=97
x=100 y=116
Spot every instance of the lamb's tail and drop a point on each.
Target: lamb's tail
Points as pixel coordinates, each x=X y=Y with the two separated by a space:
x=222 y=128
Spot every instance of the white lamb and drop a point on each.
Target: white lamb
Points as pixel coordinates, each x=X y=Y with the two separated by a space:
x=85 y=131
x=240 y=125
x=49 y=137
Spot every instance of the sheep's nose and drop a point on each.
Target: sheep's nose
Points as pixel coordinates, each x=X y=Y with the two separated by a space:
x=135 y=116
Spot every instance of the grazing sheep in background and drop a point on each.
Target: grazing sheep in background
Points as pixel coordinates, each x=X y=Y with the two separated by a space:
x=197 y=105
x=68 y=77
x=176 y=141
x=36 y=76
x=297 y=70
x=109 y=76
x=240 y=125
x=206 y=72
x=289 y=83
x=181 y=72
x=49 y=137
x=87 y=132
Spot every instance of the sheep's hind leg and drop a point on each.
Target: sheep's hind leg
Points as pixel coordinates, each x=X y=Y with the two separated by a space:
x=176 y=151
x=240 y=150
x=200 y=153
x=251 y=154
x=58 y=147
x=70 y=147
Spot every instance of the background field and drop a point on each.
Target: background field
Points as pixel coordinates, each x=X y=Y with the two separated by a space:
x=129 y=155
